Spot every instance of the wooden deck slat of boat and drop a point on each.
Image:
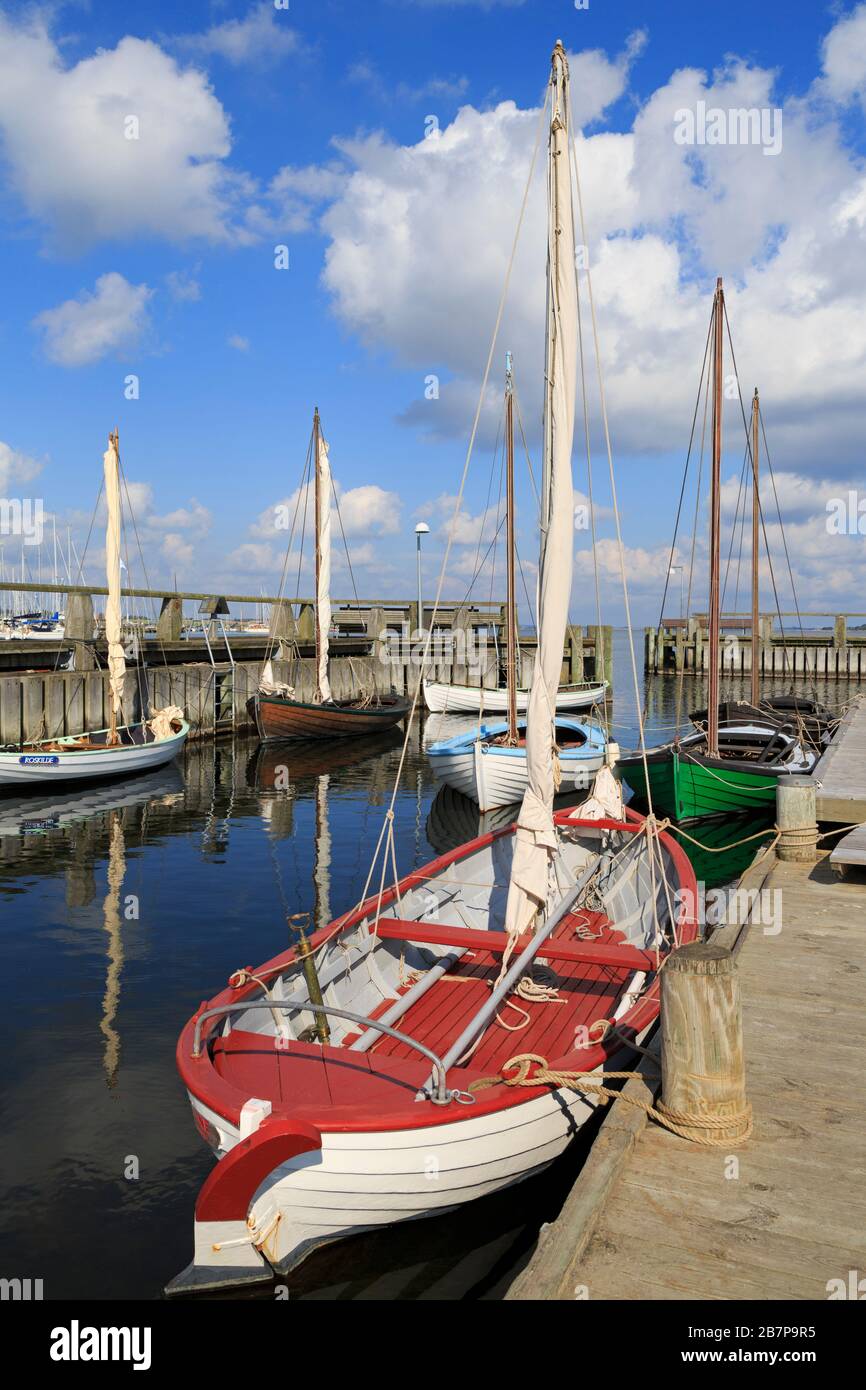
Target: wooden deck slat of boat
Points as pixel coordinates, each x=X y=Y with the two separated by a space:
x=390 y=1071
x=675 y=1225
x=589 y=992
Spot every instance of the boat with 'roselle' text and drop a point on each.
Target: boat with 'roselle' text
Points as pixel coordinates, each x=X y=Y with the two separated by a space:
x=123 y=748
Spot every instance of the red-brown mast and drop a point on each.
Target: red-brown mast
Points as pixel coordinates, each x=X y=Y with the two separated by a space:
x=715 y=524
x=511 y=597
x=756 y=523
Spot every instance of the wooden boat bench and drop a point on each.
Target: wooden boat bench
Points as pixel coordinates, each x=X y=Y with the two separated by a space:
x=609 y=953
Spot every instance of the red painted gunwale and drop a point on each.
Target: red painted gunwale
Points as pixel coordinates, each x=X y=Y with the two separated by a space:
x=203 y=1082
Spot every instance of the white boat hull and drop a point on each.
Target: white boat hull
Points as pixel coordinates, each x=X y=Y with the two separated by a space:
x=472 y=699
x=493 y=776
x=34 y=768
x=358 y=1182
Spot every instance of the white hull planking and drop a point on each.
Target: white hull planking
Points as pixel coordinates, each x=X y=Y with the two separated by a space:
x=495 y=777
x=86 y=766
x=472 y=699
x=358 y=1182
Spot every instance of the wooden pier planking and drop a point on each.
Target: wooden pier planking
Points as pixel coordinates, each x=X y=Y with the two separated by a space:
x=840 y=775
x=850 y=852
x=660 y=1220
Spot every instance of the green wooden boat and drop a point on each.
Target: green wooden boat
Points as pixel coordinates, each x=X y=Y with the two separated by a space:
x=685 y=784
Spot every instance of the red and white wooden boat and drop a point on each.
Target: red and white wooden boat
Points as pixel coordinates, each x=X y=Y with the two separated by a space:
x=317 y=1141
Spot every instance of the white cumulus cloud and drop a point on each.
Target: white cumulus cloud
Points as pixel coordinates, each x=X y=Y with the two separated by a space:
x=121 y=144
x=261 y=38
x=109 y=319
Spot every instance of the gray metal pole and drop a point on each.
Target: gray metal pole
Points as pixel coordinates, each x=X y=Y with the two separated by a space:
x=420 y=608
x=506 y=984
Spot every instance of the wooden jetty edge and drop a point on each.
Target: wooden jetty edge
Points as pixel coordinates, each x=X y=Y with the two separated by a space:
x=840 y=776
x=781 y=1218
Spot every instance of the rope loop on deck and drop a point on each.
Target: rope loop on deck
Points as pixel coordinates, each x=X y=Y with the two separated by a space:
x=688 y=1126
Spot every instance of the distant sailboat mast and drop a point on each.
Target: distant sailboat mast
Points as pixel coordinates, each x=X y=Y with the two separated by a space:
x=113 y=621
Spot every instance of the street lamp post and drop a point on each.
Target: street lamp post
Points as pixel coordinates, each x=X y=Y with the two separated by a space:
x=674 y=569
x=422 y=529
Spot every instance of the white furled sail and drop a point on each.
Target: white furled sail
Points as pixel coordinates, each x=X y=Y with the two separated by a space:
x=116 y=658
x=323 y=567
x=535 y=840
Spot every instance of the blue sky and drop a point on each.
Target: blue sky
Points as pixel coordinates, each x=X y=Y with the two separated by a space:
x=306 y=127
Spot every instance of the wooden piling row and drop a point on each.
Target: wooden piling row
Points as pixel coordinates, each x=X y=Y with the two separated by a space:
x=680 y=646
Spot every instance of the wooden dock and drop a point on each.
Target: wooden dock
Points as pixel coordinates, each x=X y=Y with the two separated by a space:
x=652 y=1217
x=840 y=776
x=834 y=651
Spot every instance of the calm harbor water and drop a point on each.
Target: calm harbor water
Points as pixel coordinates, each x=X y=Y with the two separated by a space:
x=120 y=909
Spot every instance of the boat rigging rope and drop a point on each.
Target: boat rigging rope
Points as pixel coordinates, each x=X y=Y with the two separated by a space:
x=303 y=492
x=599 y=653
x=759 y=787
x=613 y=490
x=695 y=519
x=762 y=518
x=681 y=1122
x=683 y=486
x=458 y=502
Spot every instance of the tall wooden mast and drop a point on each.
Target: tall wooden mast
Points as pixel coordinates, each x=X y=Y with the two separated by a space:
x=756 y=524
x=715 y=524
x=511 y=598
x=318 y=529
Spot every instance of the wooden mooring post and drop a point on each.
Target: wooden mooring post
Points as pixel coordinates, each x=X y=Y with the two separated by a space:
x=796 y=820
x=703 y=1067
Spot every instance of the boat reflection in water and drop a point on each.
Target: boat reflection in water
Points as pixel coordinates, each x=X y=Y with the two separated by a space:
x=57 y=809
x=455 y=819
x=722 y=850
x=38 y=823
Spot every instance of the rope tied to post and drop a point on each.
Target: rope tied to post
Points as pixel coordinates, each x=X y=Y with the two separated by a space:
x=686 y=1125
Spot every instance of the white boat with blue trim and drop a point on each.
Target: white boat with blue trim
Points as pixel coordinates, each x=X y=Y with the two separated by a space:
x=485 y=766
